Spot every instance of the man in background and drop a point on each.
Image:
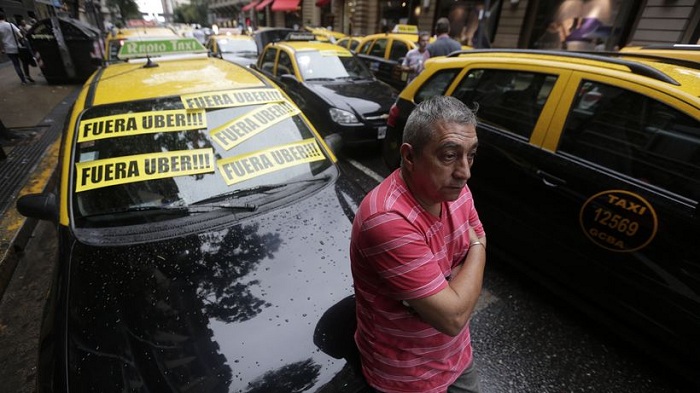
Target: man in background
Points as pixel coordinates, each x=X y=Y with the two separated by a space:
x=443 y=44
x=415 y=59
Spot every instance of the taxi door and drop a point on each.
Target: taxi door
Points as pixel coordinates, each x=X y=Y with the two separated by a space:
x=622 y=172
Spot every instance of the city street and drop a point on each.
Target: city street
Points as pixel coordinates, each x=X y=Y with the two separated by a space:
x=525 y=339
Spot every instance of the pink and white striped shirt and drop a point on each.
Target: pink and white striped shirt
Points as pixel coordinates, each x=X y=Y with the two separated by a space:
x=399 y=252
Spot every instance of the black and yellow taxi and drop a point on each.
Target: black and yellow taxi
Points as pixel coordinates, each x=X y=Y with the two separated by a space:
x=588 y=178
x=349 y=42
x=324 y=34
x=331 y=86
x=116 y=38
x=383 y=53
x=237 y=48
x=198 y=215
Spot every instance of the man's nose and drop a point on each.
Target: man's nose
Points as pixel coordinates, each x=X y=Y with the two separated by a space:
x=463 y=169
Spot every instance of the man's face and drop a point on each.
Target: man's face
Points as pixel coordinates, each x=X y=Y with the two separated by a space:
x=423 y=42
x=441 y=170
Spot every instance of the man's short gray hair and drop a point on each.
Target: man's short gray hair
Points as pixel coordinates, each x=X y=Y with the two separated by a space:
x=437 y=109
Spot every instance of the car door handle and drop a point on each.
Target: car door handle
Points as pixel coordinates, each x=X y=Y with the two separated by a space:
x=549 y=180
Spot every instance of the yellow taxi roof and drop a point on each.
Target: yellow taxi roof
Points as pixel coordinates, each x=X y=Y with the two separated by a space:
x=681 y=52
x=687 y=77
x=326 y=32
x=171 y=77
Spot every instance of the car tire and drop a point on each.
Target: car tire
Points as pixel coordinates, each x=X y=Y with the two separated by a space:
x=390 y=148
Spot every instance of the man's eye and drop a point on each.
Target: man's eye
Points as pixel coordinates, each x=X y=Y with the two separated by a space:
x=449 y=156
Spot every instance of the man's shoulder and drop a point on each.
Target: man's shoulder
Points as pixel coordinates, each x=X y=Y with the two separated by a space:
x=389 y=197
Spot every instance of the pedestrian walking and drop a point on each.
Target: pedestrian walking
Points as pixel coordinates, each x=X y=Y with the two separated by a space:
x=9 y=34
x=443 y=44
x=415 y=59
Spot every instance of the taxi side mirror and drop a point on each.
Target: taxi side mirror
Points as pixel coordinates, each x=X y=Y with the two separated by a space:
x=40 y=206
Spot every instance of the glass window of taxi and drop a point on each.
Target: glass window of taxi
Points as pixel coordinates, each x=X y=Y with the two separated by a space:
x=134 y=195
x=323 y=65
x=227 y=45
x=635 y=135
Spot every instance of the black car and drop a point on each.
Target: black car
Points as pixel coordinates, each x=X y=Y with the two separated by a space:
x=332 y=87
x=203 y=230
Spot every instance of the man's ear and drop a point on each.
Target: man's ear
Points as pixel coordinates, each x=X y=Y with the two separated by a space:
x=407 y=156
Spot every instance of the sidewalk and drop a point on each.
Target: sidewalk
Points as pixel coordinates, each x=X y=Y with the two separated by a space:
x=37 y=112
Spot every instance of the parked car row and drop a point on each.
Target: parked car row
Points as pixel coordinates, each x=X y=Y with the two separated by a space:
x=195 y=197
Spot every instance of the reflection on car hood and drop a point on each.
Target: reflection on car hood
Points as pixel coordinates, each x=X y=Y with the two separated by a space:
x=226 y=310
x=362 y=96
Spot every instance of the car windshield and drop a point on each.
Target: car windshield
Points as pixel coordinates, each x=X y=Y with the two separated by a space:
x=162 y=159
x=325 y=65
x=237 y=46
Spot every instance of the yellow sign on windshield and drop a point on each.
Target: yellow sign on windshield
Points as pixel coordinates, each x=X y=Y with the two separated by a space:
x=247 y=166
x=241 y=128
x=230 y=98
x=130 y=169
x=130 y=124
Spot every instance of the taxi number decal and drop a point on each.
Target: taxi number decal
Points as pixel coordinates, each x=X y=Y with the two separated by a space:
x=141 y=123
x=231 y=98
x=241 y=128
x=140 y=167
x=247 y=166
x=618 y=220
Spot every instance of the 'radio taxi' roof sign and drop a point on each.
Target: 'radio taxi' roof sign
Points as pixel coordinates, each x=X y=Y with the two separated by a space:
x=143 y=48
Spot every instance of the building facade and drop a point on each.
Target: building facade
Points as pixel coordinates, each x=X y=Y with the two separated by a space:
x=16 y=10
x=566 y=24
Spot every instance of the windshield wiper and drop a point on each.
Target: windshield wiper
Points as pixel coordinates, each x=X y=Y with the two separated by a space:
x=264 y=189
x=238 y=194
x=319 y=79
x=175 y=210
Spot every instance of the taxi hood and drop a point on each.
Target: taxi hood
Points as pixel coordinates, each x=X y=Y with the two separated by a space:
x=232 y=309
x=362 y=96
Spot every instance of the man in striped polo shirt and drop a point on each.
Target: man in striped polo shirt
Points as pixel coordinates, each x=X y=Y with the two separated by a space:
x=418 y=251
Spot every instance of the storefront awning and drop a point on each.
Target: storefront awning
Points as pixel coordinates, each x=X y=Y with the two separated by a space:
x=285 y=5
x=262 y=5
x=322 y=3
x=249 y=6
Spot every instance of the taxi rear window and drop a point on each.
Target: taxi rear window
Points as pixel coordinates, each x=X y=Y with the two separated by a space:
x=174 y=152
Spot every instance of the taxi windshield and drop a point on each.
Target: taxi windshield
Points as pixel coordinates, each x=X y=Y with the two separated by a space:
x=325 y=65
x=157 y=160
x=237 y=46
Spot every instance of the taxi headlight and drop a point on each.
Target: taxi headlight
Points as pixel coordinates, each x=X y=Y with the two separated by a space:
x=343 y=117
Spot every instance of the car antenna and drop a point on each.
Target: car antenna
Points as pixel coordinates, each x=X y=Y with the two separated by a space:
x=149 y=63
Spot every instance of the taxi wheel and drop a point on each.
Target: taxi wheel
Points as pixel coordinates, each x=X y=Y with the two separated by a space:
x=390 y=148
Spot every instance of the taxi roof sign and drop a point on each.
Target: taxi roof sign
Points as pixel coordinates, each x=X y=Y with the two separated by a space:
x=160 y=47
x=405 y=29
x=300 y=36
